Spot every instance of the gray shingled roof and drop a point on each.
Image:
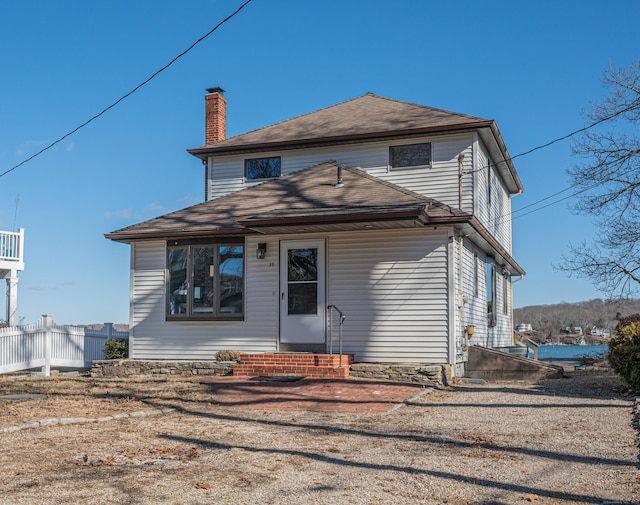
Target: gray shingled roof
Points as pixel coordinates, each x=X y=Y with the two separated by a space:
x=307 y=193
x=309 y=197
x=365 y=116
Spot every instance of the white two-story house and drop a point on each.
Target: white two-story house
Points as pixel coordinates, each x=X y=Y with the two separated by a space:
x=396 y=214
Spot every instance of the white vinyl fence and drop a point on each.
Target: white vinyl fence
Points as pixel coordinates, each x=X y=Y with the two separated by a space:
x=46 y=344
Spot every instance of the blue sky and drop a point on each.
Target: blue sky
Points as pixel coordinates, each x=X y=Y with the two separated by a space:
x=531 y=66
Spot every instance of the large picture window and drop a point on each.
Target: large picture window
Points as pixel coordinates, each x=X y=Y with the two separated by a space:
x=205 y=280
x=262 y=168
x=411 y=155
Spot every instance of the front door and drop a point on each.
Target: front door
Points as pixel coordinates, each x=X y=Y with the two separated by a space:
x=302 y=292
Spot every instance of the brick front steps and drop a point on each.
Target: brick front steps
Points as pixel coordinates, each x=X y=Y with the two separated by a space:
x=318 y=366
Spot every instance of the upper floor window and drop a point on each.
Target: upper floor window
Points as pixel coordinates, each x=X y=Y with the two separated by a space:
x=262 y=168
x=411 y=155
x=205 y=280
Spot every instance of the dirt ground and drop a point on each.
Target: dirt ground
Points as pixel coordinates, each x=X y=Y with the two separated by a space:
x=229 y=441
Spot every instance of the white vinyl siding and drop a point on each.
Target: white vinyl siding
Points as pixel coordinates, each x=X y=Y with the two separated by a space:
x=494 y=215
x=155 y=338
x=392 y=286
x=474 y=309
x=226 y=173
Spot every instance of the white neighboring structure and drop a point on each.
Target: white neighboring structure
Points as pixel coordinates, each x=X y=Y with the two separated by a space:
x=11 y=262
x=600 y=332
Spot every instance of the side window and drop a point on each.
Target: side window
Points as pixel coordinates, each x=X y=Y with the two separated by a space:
x=489 y=184
x=475 y=274
x=505 y=295
x=410 y=156
x=262 y=168
x=491 y=294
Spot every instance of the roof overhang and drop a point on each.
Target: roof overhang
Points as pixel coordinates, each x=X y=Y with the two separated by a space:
x=470 y=227
x=224 y=148
x=127 y=237
x=467 y=225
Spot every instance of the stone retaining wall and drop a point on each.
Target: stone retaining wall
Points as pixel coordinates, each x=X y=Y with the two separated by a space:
x=418 y=373
x=130 y=367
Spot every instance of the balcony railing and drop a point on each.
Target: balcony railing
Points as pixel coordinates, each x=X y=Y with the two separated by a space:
x=12 y=249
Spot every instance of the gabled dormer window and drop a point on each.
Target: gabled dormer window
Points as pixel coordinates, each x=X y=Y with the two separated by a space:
x=262 y=168
x=410 y=156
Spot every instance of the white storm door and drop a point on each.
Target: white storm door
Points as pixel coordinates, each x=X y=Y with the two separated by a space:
x=302 y=291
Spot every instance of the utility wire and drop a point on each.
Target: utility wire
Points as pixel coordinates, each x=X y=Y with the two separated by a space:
x=126 y=95
x=500 y=219
x=634 y=105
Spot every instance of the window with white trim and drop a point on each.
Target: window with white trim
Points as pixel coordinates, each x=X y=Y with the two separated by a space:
x=491 y=294
x=505 y=293
x=476 y=274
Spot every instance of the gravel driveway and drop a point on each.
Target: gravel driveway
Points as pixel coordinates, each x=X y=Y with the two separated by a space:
x=564 y=441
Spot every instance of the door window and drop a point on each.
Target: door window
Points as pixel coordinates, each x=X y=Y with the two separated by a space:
x=302 y=279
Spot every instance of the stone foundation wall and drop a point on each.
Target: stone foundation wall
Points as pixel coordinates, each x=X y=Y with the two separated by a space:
x=417 y=373
x=130 y=367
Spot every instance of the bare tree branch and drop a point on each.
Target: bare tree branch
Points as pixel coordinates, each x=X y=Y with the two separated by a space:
x=608 y=179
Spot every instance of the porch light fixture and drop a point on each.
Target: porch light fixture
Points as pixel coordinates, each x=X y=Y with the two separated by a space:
x=261 y=251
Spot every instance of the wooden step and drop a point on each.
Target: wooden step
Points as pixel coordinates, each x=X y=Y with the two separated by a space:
x=325 y=366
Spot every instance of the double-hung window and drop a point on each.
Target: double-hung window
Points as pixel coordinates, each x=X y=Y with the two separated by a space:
x=491 y=293
x=205 y=280
x=410 y=156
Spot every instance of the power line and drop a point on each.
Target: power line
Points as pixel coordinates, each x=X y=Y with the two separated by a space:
x=500 y=219
x=634 y=105
x=126 y=95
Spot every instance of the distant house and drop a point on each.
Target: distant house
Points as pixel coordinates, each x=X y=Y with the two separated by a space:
x=397 y=214
x=600 y=332
x=522 y=327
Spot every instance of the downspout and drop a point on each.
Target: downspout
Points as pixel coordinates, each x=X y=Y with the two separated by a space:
x=452 y=303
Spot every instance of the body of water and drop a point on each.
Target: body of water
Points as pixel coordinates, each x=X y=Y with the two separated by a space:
x=570 y=353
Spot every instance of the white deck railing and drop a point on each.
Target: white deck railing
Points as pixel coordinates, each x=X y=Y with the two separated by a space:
x=46 y=344
x=12 y=249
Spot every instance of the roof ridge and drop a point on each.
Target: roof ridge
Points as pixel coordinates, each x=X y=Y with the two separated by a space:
x=370 y=94
x=284 y=121
x=422 y=106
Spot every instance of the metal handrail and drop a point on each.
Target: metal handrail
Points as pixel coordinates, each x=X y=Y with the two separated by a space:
x=331 y=308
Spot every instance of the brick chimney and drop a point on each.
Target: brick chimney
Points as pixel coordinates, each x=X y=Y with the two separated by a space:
x=215 y=128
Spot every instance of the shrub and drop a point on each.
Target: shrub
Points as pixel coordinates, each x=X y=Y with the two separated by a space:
x=624 y=351
x=228 y=355
x=116 y=348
